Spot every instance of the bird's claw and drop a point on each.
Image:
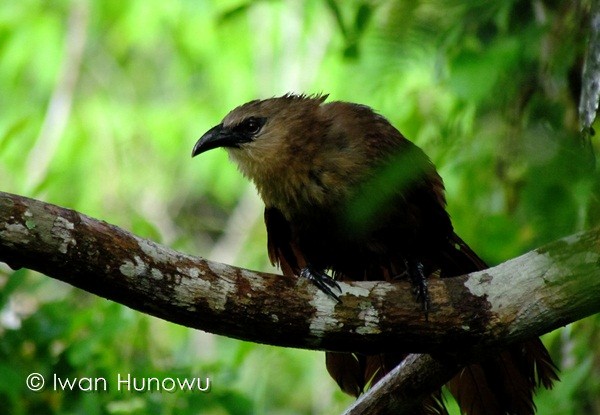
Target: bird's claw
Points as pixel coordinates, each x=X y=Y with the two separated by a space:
x=419 y=282
x=323 y=282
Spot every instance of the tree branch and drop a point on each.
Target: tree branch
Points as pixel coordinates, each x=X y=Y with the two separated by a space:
x=403 y=389
x=519 y=299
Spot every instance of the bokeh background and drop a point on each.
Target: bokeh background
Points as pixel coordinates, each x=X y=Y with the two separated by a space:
x=101 y=103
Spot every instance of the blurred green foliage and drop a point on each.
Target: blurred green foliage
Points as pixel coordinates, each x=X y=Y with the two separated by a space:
x=102 y=101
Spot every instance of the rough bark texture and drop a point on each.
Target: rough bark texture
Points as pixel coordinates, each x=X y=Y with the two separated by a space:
x=524 y=297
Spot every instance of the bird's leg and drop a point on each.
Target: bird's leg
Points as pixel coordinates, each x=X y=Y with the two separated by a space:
x=323 y=281
x=419 y=282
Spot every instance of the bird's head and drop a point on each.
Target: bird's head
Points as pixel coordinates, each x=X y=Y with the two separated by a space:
x=269 y=139
x=261 y=129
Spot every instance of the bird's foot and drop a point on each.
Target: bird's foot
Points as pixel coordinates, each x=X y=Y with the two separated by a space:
x=419 y=282
x=323 y=282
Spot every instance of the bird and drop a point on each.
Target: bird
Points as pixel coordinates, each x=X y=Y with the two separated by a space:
x=346 y=193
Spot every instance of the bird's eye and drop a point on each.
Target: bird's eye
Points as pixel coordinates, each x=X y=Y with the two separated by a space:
x=252 y=125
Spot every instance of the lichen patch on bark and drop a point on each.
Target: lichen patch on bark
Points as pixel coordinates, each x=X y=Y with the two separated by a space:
x=154 y=251
x=221 y=289
x=324 y=319
x=61 y=229
x=355 y=290
x=370 y=317
x=131 y=270
x=16 y=230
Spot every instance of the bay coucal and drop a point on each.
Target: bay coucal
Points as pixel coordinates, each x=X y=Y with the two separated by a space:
x=318 y=168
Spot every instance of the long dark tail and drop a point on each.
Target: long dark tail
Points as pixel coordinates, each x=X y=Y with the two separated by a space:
x=499 y=385
x=504 y=383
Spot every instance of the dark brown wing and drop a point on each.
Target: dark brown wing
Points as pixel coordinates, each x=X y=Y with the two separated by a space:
x=283 y=250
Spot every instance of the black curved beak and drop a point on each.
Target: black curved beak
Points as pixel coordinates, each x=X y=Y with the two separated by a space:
x=214 y=138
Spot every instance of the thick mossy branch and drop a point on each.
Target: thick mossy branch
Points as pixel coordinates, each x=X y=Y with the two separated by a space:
x=521 y=298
